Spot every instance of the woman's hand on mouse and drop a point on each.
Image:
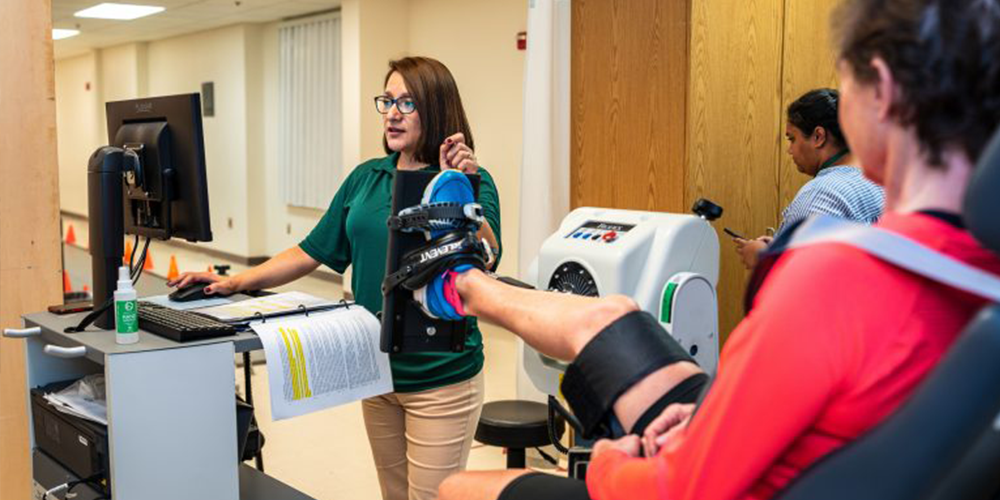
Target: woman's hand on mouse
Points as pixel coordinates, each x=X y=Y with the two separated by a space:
x=457 y=155
x=188 y=279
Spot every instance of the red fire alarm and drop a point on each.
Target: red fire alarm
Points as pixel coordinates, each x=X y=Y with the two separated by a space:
x=522 y=40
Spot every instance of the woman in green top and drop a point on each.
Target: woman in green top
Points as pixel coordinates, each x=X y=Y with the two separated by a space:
x=422 y=432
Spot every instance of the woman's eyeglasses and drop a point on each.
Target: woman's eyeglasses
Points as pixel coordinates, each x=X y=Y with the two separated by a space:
x=404 y=105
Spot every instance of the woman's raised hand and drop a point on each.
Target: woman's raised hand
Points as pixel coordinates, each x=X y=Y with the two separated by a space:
x=456 y=155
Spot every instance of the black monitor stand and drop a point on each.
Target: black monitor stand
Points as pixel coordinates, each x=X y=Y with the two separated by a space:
x=105 y=208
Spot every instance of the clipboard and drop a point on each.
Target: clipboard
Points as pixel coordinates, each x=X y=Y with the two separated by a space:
x=301 y=309
x=244 y=312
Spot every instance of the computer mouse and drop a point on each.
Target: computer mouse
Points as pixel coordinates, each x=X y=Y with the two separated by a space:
x=194 y=291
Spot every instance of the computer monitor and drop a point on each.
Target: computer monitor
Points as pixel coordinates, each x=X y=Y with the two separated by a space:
x=150 y=181
x=166 y=132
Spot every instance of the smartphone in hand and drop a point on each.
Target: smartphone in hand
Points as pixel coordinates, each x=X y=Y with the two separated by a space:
x=72 y=307
x=734 y=234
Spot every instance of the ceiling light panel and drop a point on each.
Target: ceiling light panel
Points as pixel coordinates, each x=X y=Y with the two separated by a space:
x=59 y=34
x=119 y=11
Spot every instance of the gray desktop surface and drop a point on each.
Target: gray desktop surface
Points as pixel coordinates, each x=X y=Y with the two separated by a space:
x=254 y=485
x=100 y=343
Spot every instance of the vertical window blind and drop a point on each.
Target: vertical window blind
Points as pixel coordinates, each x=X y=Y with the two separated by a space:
x=310 y=114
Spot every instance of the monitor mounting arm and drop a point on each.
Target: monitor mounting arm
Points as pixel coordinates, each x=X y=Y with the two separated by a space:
x=107 y=169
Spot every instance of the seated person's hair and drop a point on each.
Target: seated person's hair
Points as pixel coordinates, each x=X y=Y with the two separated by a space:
x=817 y=108
x=945 y=57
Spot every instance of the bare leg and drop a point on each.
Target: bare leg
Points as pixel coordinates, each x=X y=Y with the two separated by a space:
x=556 y=324
x=560 y=325
x=478 y=485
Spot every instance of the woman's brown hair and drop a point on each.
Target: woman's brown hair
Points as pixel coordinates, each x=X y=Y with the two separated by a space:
x=945 y=58
x=435 y=94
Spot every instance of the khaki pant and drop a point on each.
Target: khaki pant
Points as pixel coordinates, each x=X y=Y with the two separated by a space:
x=418 y=439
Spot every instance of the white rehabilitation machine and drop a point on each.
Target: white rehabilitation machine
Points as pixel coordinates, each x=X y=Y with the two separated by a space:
x=667 y=263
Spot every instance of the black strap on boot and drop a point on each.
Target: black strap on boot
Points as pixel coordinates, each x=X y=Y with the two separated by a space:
x=420 y=217
x=420 y=266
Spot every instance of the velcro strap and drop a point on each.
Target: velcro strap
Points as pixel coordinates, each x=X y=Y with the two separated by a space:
x=621 y=355
x=418 y=218
x=686 y=392
x=421 y=265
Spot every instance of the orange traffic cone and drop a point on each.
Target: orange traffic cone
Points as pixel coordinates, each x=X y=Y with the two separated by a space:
x=210 y=268
x=86 y=289
x=70 y=236
x=128 y=252
x=172 y=274
x=148 y=264
x=67 y=286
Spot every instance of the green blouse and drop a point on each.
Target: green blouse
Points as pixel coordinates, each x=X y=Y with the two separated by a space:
x=353 y=232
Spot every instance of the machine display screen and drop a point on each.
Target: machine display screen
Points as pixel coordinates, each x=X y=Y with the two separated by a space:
x=607 y=226
x=607 y=232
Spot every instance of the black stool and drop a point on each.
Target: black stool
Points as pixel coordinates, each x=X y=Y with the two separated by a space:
x=516 y=425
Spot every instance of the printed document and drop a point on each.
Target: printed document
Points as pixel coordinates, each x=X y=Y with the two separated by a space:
x=323 y=360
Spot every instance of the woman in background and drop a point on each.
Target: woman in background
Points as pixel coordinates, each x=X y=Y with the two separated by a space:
x=838 y=187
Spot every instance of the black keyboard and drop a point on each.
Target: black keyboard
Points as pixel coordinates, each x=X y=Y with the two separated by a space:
x=181 y=326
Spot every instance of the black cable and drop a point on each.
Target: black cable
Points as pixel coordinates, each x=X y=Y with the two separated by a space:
x=131 y=258
x=548 y=458
x=92 y=480
x=137 y=271
x=69 y=485
x=90 y=318
x=551 y=424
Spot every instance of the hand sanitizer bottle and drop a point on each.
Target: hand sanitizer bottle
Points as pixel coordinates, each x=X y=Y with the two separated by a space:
x=126 y=309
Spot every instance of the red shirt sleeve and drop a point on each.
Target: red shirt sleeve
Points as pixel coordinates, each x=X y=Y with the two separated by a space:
x=614 y=474
x=779 y=368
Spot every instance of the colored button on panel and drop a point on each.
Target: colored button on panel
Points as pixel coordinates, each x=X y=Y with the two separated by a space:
x=596 y=237
x=610 y=236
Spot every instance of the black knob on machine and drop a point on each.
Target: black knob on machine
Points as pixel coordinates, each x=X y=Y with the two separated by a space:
x=705 y=208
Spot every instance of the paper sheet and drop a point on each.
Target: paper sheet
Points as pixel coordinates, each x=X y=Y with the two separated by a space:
x=85 y=399
x=323 y=360
x=164 y=300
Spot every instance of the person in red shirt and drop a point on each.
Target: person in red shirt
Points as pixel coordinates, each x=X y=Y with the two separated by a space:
x=836 y=339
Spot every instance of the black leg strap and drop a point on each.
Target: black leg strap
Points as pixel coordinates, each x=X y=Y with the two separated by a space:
x=621 y=355
x=688 y=391
x=419 y=266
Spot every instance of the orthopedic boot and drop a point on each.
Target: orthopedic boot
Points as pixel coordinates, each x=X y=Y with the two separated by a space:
x=621 y=355
x=418 y=267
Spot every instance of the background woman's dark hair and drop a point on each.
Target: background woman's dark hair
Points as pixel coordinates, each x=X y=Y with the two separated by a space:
x=438 y=103
x=945 y=58
x=817 y=108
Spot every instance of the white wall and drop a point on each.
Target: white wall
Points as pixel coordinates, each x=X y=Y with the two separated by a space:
x=78 y=133
x=384 y=37
x=365 y=52
x=180 y=65
x=124 y=74
x=476 y=39
x=240 y=141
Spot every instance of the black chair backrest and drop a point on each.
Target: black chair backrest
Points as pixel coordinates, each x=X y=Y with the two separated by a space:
x=982 y=199
x=944 y=442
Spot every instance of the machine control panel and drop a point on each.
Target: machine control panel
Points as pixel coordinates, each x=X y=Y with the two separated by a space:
x=600 y=231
